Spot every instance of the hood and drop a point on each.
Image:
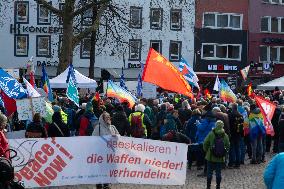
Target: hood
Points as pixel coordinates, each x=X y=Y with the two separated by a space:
x=219 y=131
x=102 y=122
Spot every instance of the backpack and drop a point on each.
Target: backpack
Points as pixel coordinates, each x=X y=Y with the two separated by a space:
x=136 y=126
x=218 y=148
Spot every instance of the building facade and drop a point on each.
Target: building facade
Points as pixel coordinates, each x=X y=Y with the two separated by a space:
x=28 y=29
x=266 y=38
x=221 y=36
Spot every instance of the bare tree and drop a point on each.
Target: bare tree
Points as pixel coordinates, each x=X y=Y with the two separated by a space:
x=105 y=12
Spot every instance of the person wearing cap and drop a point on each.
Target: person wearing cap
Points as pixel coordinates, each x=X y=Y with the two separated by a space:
x=213 y=162
x=88 y=121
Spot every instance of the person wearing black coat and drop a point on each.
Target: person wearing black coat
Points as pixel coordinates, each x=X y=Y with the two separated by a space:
x=120 y=121
x=36 y=129
x=58 y=128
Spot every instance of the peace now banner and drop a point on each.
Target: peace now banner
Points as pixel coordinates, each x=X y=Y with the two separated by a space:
x=267 y=109
x=93 y=160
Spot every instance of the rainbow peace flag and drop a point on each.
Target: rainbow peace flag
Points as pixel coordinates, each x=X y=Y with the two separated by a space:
x=45 y=84
x=120 y=93
x=226 y=93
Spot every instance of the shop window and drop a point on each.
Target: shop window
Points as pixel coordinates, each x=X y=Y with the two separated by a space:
x=135 y=17
x=156 y=19
x=135 y=46
x=176 y=19
x=43 y=46
x=175 y=51
x=21 y=45
x=22 y=12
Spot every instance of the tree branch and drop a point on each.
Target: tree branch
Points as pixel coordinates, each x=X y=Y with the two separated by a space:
x=88 y=6
x=49 y=7
x=89 y=30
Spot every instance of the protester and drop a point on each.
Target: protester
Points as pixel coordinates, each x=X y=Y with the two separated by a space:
x=104 y=127
x=58 y=128
x=87 y=121
x=120 y=121
x=36 y=129
x=281 y=134
x=139 y=123
x=215 y=146
x=170 y=123
x=274 y=172
x=4 y=145
x=184 y=113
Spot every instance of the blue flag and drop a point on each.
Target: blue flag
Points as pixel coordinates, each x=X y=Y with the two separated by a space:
x=122 y=82
x=11 y=87
x=72 y=91
x=139 y=86
x=45 y=84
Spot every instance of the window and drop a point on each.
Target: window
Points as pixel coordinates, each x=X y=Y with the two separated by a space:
x=156 y=45
x=263 y=53
x=264 y=24
x=224 y=20
x=61 y=7
x=135 y=46
x=281 y=54
x=269 y=53
x=176 y=19
x=21 y=45
x=213 y=51
x=43 y=46
x=136 y=17
x=208 y=51
x=175 y=51
x=22 y=12
x=85 y=48
x=274 y=24
x=43 y=15
x=282 y=24
x=209 y=20
x=87 y=17
x=156 y=19
x=275 y=1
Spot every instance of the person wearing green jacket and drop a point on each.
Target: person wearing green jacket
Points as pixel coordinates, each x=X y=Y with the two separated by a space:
x=211 y=147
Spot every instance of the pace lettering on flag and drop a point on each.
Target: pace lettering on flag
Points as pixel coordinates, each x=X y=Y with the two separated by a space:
x=158 y=70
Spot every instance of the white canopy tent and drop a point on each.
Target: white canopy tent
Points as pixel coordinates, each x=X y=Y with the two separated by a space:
x=272 y=84
x=82 y=81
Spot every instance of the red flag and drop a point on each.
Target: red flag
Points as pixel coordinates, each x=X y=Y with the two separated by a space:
x=32 y=79
x=9 y=103
x=267 y=109
x=207 y=93
x=158 y=70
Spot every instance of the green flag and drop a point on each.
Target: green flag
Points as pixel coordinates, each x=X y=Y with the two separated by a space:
x=72 y=92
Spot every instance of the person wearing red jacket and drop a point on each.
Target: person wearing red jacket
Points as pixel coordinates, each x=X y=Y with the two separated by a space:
x=4 y=146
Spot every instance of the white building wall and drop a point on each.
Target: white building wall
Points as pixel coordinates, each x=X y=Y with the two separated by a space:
x=104 y=59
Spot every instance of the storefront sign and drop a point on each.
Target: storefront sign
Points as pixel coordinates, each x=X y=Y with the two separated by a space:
x=132 y=65
x=221 y=67
x=47 y=63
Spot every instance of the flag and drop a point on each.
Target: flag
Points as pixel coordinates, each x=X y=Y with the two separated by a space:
x=188 y=73
x=267 y=109
x=249 y=90
x=11 y=87
x=97 y=97
x=31 y=91
x=158 y=70
x=45 y=84
x=120 y=93
x=72 y=91
x=2 y=102
x=139 y=86
x=245 y=72
x=207 y=94
x=226 y=93
x=31 y=71
x=10 y=103
x=71 y=72
x=122 y=82
x=217 y=83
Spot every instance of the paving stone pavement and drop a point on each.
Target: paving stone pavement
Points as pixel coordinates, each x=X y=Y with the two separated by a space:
x=247 y=177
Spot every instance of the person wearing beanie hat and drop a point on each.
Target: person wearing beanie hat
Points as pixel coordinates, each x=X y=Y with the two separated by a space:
x=217 y=138
x=88 y=121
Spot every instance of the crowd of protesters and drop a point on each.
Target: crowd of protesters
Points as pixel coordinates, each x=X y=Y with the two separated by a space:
x=219 y=135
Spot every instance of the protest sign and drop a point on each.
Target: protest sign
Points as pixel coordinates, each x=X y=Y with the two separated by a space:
x=149 y=90
x=92 y=160
x=27 y=107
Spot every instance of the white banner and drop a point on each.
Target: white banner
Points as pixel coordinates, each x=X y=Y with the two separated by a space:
x=93 y=160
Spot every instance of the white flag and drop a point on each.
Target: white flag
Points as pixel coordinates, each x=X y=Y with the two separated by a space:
x=216 y=85
x=31 y=91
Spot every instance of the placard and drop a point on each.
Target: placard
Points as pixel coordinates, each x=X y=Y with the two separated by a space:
x=27 y=107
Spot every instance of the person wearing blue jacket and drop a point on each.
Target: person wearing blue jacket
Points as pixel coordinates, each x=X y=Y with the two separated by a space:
x=274 y=172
